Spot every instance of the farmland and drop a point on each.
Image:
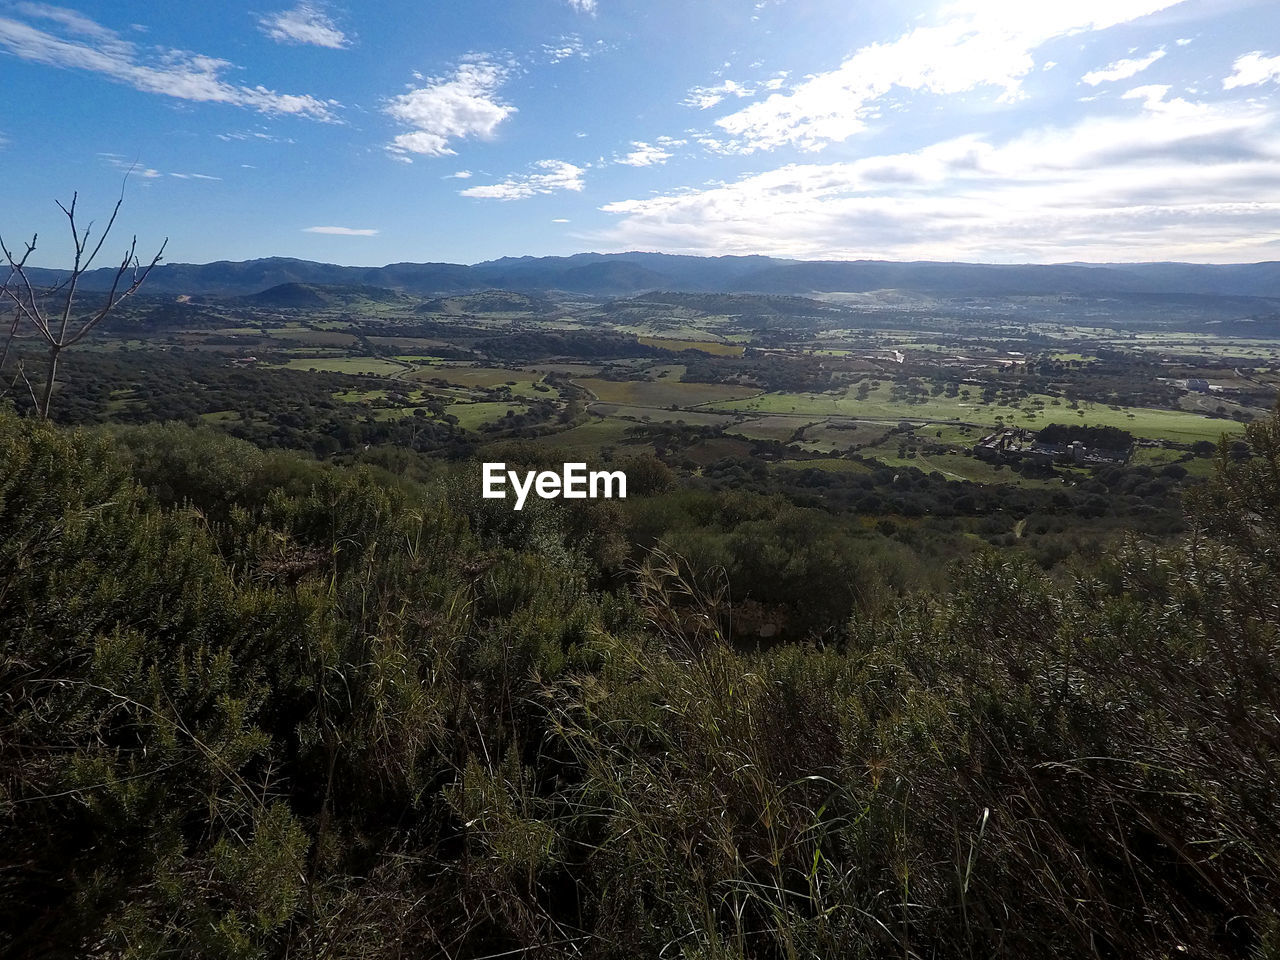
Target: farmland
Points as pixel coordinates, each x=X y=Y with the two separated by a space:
x=839 y=406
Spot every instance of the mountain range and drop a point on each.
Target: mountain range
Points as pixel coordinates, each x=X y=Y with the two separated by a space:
x=621 y=274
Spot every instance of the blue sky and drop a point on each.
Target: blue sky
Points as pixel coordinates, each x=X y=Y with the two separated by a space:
x=987 y=130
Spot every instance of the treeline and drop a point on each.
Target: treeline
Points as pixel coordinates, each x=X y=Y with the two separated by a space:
x=256 y=706
x=1099 y=438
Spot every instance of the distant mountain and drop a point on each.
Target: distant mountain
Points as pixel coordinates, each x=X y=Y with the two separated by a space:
x=611 y=275
x=611 y=278
x=236 y=279
x=1218 y=280
x=948 y=279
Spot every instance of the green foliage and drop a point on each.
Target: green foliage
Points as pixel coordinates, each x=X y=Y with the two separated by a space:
x=258 y=706
x=1241 y=504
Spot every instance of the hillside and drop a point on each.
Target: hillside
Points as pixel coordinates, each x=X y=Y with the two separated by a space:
x=259 y=706
x=607 y=275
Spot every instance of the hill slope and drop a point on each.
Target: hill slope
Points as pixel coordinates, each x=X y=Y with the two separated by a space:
x=605 y=275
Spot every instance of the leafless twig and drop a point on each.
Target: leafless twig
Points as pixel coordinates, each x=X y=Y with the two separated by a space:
x=52 y=313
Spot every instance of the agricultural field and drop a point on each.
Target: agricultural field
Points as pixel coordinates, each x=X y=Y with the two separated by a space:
x=714 y=347
x=356 y=366
x=312 y=338
x=662 y=393
x=466 y=376
x=662 y=415
x=475 y=416
x=1034 y=411
x=590 y=438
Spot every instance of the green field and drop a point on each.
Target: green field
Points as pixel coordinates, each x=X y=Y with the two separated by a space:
x=662 y=393
x=588 y=438
x=663 y=415
x=319 y=338
x=781 y=429
x=820 y=436
x=424 y=344
x=567 y=369
x=842 y=435
x=360 y=396
x=829 y=464
x=1034 y=412
x=714 y=347
x=486 y=377
x=473 y=416
x=357 y=366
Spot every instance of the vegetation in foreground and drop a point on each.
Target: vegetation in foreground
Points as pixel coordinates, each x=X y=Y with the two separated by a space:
x=255 y=706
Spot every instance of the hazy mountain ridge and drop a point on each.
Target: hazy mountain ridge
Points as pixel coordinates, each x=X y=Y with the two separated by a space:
x=607 y=275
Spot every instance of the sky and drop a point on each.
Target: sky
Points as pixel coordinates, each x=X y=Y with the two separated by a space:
x=1009 y=131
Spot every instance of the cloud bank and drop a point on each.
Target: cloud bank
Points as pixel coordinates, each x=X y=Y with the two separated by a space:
x=980 y=44
x=1166 y=179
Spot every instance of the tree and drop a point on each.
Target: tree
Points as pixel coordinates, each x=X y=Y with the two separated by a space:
x=1241 y=503
x=52 y=313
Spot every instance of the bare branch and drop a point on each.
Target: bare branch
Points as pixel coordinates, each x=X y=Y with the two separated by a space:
x=32 y=390
x=13 y=332
x=130 y=276
x=110 y=222
x=31 y=308
x=112 y=300
x=18 y=265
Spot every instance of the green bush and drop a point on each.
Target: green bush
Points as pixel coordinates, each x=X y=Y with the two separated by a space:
x=257 y=706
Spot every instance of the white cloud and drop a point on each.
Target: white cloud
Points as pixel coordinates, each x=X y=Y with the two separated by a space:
x=977 y=44
x=1253 y=69
x=136 y=169
x=583 y=6
x=569 y=47
x=460 y=175
x=649 y=155
x=305 y=23
x=556 y=175
x=704 y=98
x=1167 y=179
x=341 y=231
x=464 y=105
x=79 y=43
x=559 y=220
x=1121 y=69
x=253 y=135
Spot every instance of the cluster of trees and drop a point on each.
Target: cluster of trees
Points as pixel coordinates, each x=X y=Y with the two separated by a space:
x=531 y=345
x=1098 y=438
x=1122 y=493
x=789 y=372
